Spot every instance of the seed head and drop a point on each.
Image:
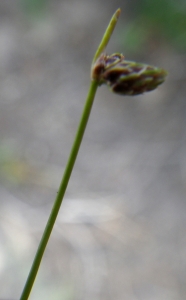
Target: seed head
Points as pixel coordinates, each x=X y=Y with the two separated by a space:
x=127 y=77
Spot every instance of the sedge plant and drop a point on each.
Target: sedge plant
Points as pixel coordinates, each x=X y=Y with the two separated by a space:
x=122 y=77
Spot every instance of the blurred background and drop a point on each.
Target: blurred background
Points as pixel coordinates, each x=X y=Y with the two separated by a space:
x=120 y=233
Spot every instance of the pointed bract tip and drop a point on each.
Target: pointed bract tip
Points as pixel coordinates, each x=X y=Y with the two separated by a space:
x=118 y=12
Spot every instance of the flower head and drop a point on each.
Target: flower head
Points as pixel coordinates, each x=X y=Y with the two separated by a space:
x=127 y=77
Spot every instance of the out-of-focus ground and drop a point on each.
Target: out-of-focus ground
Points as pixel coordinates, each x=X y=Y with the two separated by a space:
x=121 y=231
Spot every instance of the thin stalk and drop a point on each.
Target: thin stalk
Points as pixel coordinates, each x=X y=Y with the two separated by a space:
x=68 y=170
x=61 y=192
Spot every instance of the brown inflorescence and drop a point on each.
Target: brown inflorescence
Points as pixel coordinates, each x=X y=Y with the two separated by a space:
x=126 y=77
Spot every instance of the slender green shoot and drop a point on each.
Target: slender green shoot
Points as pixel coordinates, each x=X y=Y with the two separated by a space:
x=107 y=34
x=69 y=167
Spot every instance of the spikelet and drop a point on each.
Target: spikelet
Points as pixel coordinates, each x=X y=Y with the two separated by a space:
x=126 y=77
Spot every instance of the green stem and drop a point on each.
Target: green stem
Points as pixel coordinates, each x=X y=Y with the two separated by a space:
x=68 y=170
x=61 y=192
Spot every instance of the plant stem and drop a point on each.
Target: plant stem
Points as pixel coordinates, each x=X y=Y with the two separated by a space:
x=61 y=192
x=69 y=167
